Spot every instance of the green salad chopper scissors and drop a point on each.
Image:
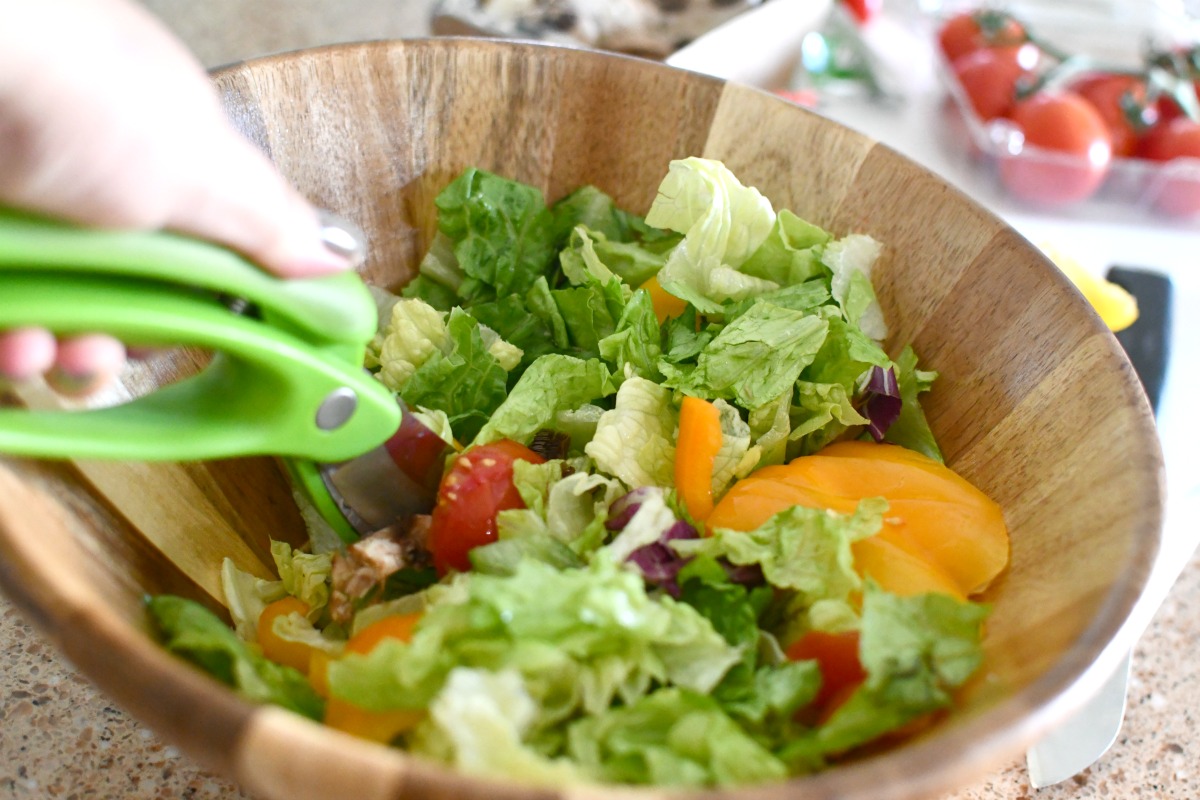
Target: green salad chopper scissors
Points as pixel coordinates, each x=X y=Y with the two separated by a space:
x=286 y=377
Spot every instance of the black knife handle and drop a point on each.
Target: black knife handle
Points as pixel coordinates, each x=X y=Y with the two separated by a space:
x=1147 y=341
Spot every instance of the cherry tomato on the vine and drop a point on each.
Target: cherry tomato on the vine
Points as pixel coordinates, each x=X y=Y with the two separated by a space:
x=1112 y=96
x=1177 y=195
x=974 y=30
x=478 y=485
x=864 y=10
x=989 y=77
x=1073 y=150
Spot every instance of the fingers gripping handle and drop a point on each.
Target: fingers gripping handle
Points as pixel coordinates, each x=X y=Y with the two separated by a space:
x=289 y=384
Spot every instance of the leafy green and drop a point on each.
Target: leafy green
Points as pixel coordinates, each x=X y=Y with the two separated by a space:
x=467 y=383
x=911 y=429
x=723 y=223
x=552 y=384
x=580 y=638
x=755 y=358
x=915 y=651
x=478 y=722
x=415 y=333
x=673 y=737
x=501 y=230
x=634 y=346
x=804 y=550
x=635 y=440
x=191 y=631
x=791 y=253
x=851 y=259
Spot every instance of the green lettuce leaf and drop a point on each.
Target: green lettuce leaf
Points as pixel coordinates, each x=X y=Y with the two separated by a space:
x=635 y=440
x=304 y=575
x=723 y=223
x=246 y=596
x=911 y=429
x=194 y=633
x=502 y=234
x=563 y=508
x=850 y=260
x=415 y=333
x=803 y=550
x=580 y=639
x=916 y=651
x=737 y=458
x=754 y=359
x=477 y=724
x=467 y=383
x=634 y=347
x=791 y=253
x=552 y=384
x=673 y=738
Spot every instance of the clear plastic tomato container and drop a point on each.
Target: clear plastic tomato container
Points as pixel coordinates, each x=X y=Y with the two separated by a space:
x=1111 y=32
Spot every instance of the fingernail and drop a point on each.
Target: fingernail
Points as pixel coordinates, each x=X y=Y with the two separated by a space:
x=342 y=237
x=72 y=384
x=339 y=245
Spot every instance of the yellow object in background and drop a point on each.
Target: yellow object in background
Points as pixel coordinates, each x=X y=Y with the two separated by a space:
x=1117 y=307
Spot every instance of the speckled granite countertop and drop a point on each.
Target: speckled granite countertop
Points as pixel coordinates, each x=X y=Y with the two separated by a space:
x=60 y=738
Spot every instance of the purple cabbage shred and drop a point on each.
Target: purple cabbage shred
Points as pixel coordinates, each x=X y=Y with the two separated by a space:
x=883 y=404
x=659 y=562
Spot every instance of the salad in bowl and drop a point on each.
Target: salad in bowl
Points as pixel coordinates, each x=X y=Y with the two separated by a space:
x=688 y=525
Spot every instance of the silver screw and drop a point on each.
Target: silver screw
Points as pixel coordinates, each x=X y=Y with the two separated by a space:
x=337 y=408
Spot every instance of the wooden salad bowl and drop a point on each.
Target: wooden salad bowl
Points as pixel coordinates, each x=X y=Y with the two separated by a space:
x=1036 y=402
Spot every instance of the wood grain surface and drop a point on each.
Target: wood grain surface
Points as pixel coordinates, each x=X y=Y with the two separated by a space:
x=1036 y=403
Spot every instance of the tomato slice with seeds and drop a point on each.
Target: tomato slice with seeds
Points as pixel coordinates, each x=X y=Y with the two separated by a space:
x=478 y=485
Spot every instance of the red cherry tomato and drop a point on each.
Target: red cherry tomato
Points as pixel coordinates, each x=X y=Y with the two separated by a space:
x=974 y=30
x=1109 y=94
x=1178 y=195
x=1072 y=150
x=837 y=655
x=1168 y=109
x=478 y=485
x=864 y=10
x=989 y=77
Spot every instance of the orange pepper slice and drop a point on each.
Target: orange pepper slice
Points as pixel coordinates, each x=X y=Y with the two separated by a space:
x=696 y=450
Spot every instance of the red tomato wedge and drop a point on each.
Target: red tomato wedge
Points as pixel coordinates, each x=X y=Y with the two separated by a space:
x=478 y=485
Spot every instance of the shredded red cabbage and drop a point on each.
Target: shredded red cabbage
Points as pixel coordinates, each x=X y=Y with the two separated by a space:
x=624 y=507
x=883 y=404
x=659 y=562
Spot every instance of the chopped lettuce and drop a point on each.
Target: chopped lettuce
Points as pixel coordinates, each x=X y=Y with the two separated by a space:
x=916 y=651
x=803 y=550
x=191 y=631
x=246 y=596
x=851 y=259
x=563 y=508
x=673 y=737
x=414 y=334
x=501 y=231
x=304 y=575
x=755 y=358
x=552 y=384
x=477 y=723
x=791 y=253
x=723 y=223
x=467 y=383
x=580 y=639
x=911 y=429
x=635 y=441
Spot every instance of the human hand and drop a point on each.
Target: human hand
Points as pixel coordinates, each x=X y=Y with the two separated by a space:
x=108 y=121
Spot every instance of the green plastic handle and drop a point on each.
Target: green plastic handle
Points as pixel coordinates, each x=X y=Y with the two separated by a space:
x=287 y=383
